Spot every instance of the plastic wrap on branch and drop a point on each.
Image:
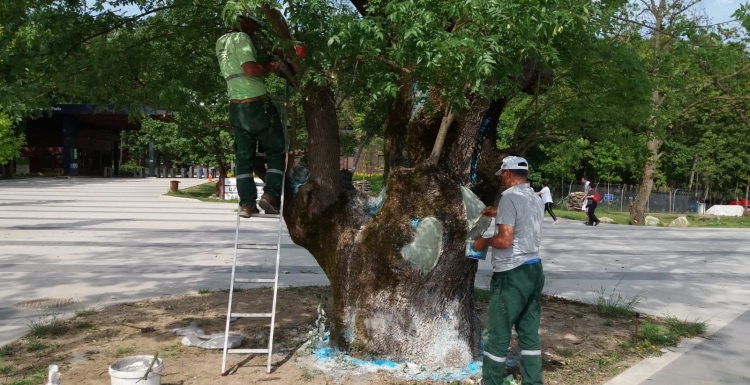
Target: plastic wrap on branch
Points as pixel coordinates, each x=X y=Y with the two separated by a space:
x=299 y=177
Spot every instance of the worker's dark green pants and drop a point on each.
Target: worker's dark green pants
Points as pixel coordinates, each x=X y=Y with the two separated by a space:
x=257 y=122
x=514 y=301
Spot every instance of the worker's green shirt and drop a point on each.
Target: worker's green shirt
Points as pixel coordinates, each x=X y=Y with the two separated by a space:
x=232 y=50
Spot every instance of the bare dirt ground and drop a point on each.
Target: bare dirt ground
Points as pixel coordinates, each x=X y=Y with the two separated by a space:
x=579 y=346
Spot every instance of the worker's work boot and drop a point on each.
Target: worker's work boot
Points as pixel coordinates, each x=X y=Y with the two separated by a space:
x=269 y=204
x=247 y=211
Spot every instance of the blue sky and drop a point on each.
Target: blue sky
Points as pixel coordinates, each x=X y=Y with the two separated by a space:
x=721 y=10
x=717 y=10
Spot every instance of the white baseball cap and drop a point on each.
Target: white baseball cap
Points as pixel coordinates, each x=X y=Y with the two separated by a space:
x=513 y=163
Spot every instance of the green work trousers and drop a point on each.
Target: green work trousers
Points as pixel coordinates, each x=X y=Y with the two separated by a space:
x=253 y=123
x=514 y=301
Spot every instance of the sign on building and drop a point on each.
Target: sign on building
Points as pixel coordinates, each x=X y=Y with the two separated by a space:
x=230 y=188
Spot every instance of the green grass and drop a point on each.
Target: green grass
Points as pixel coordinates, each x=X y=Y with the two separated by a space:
x=83 y=325
x=5 y=369
x=235 y=290
x=608 y=359
x=566 y=352
x=685 y=329
x=83 y=313
x=201 y=192
x=307 y=376
x=123 y=351
x=481 y=294
x=376 y=181
x=35 y=345
x=656 y=334
x=6 y=350
x=205 y=291
x=664 y=219
x=35 y=378
x=615 y=304
x=47 y=325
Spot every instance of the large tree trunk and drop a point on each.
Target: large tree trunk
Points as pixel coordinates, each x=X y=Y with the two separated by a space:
x=384 y=304
x=399 y=114
x=219 y=190
x=387 y=303
x=638 y=208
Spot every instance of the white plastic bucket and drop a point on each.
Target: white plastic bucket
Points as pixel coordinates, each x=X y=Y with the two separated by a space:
x=128 y=370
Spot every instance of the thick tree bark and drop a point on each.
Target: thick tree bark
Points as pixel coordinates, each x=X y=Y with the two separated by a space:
x=385 y=305
x=219 y=191
x=470 y=137
x=322 y=149
x=638 y=208
x=399 y=115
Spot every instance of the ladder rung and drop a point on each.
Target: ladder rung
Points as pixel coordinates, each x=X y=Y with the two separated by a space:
x=257 y=247
x=254 y=280
x=252 y=315
x=248 y=351
x=265 y=215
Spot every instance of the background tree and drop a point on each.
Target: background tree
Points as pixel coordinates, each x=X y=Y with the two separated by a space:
x=696 y=70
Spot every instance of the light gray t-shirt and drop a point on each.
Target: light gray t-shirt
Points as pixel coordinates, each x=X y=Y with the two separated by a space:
x=521 y=208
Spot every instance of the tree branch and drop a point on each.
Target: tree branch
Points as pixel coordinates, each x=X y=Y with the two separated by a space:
x=116 y=26
x=395 y=66
x=437 y=149
x=626 y=20
x=281 y=27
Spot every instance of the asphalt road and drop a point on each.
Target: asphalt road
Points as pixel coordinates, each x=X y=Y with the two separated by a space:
x=110 y=240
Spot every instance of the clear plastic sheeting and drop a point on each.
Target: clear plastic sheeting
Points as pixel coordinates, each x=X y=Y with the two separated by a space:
x=195 y=336
x=424 y=250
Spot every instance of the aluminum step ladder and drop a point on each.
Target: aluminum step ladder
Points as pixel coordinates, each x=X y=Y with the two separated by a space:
x=272 y=315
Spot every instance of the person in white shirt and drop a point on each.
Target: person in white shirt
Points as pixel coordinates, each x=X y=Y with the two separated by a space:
x=586 y=188
x=547 y=200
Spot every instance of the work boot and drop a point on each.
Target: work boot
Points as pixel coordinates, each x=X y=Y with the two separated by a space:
x=247 y=211
x=270 y=204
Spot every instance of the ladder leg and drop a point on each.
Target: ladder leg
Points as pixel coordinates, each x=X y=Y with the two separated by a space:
x=231 y=292
x=276 y=277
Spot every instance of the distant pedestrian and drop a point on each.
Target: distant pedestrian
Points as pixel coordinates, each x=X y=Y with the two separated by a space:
x=547 y=200
x=595 y=199
x=586 y=188
x=200 y=171
x=212 y=170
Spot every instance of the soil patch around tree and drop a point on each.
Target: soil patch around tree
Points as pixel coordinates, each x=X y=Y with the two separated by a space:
x=580 y=347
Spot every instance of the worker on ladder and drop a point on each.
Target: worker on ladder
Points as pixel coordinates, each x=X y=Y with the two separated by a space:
x=252 y=116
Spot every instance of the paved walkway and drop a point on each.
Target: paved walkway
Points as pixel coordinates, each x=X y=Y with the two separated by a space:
x=111 y=240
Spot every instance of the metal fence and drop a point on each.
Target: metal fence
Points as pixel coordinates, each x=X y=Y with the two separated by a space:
x=618 y=197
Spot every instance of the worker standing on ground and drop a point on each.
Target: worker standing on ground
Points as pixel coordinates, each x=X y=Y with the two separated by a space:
x=252 y=116
x=517 y=279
